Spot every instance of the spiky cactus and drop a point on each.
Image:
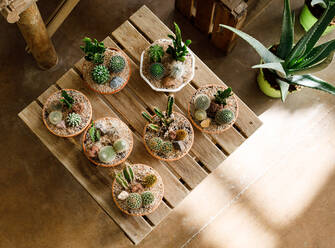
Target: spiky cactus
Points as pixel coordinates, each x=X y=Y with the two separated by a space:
x=224 y=116
x=156 y=52
x=121 y=180
x=100 y=74
x=155 y=144
x=128 y=173
x=149 y=180
x=181 y=134
x=200 y=114
x=73 y=119
x=169 y=107
x=147 y=198
x=134 y=201
x=55 y=117
x=117 y=64
x=157 y=70
x=167 y=147
x=202 y=101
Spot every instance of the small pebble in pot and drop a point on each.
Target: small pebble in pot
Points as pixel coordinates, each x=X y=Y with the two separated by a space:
x=61 y=125
x=123 y=195
x=179 y=145
x=116 y=82
x=137 y=188
x=205 y=123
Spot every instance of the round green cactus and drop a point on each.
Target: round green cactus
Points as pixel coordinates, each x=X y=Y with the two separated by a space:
x=134 y=201
x=155 y=144
x=117 y=64
x=149 y=181
x=167 y=147
x=107 y=154
x=55 y=117
x=73 y=119
x=157 y=70
x=224 y=116
x=120 y=145
x=147 y=198
x=202 y=101
x=100 y=74
x=200 y=115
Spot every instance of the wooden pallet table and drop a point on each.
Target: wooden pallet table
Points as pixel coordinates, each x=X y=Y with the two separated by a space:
x=179 y=177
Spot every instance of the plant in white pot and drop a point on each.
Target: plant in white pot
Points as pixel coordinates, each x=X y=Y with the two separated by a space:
x=312 y=11
x=287 y=67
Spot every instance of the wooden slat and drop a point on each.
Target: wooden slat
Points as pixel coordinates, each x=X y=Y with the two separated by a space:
x=185 y=7
x=78 y=165
x=204 y=15
x=159 y=214
x=153 y=28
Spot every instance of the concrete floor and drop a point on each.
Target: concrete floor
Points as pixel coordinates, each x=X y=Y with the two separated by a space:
x=276 y=190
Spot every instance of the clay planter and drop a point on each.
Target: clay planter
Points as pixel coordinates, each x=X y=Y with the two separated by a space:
x=213 y=128
x=105 y=88
x=180 y=122
x=167 y=60
x=53 y=104
x=140 y=171
x=111 y=129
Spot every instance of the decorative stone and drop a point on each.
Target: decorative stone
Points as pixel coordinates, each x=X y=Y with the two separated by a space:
x=137 y=188
x=78 y=108
x=169 y=82
x=213 y=108
x=93 y=152
x=205 y=123
x=116 y=82
x=172 y=135
x=123 y=195
x=61 y=125
x=179 y=145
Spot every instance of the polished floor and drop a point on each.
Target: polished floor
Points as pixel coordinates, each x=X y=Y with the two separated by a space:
x=276 y=191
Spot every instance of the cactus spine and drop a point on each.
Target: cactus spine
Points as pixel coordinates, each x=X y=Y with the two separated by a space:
x=121 y=180
x=128 y=173
x=134 y=201
x=149 y=181
x=169 y=107
x=73 y=119
x=147 y=198
x=100 y=74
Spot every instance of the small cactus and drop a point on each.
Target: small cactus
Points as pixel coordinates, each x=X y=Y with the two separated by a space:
x=55 y=117
x=128 y=173
x=106 y=154
x=147 y=198
x=177 y=70
x=167 y=147
x=121 y=180
x=157 y=70
x=169 y=107
x=155 y=144
x=156 y=53
x=100 y=74
x=116 y=82
x=224 y=116
x=202 y=101
x=200 y=114
x=117 y=64
x=149 y=181
x=134 y=201
x=73 y=119
x=181 y=134
x=120 y=145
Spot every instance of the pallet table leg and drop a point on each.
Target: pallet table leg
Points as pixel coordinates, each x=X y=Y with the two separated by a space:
x=185 y=7
x=204 y=15
x=34 y=32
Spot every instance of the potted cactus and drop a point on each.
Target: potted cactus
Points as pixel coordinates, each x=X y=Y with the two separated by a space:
x=287 y=67
x=213 y=109
x=107 y=142
x=137 y=189
x=67 y=113
x=106 y=70
x=168 y=135
x=168 y=65
x=312 y=11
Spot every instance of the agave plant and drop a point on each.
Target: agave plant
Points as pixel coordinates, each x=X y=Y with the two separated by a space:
x=292 y=63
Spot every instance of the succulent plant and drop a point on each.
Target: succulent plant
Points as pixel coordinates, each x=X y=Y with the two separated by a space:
x=177 y=70
x=100 y=74
x=149 y=180
x=128 y=173
x=224 y=116
x=178 y=51
x=202 y=101
x=116 y=82
x=181 y=134
x=157 y=70
x=94 y=50
x=147 y=198
x=106 y=154
x=121 y=180
x=55 y=117
x=155 y=144
x=200 y=114
x=169 y=107
x=134 y=201
x=167 y=147
x=94 y=133
x=221 y=96
x=117 y=64
x=156 y=53
x=120 y=145
x=73 y=119
x=67 y=99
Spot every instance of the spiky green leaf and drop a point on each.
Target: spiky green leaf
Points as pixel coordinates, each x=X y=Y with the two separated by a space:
x=273 y=66
x=284 y=86
x=287 y=33
x=312 y=82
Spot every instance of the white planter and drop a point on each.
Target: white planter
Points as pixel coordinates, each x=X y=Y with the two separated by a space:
x=165 y=89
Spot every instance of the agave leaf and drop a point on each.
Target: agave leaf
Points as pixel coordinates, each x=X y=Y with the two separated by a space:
x=308 y=41
x=312 y=82
x=320 y=2
x=266 y=55
x=273 y=66
x=287 y=33
x=283 y=88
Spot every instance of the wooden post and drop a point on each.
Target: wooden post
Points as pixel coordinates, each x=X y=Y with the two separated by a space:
x=35 y=33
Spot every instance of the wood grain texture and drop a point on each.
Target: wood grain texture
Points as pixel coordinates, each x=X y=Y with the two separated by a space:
x=204 y=15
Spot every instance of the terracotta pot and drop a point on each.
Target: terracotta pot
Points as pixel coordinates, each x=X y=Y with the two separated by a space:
x=131 y=144
x=84 y=69
x=203 y=129
x=164 y=159
x=65 y=136
x=132 y=214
